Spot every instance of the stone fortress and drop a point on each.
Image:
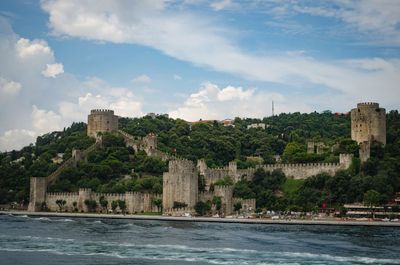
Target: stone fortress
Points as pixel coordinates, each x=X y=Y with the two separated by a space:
x=368 y=124
x=100 y=121
x=180 y=183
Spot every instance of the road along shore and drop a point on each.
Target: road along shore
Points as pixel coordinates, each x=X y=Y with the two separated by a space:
x=205 y=219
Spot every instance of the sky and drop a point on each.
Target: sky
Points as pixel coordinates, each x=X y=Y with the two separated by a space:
x=192 y=59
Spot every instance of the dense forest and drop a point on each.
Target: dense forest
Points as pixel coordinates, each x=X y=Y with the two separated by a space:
x=116 y=168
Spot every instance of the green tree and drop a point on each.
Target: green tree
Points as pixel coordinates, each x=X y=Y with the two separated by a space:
x=122 y=205
x=91 y=205
x=217 y=202
x=103 y=203
x=226 y=181
x=179 y=205
x=371 y=199
x=114 y=205
x=202 y=208
x=237 y=206
x=291 y=150
x=158 y=202
x=61 y=204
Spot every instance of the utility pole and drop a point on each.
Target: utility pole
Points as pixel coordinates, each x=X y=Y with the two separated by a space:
x=273 y=111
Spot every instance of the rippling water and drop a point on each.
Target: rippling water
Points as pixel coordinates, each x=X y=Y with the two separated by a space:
x=33 y=240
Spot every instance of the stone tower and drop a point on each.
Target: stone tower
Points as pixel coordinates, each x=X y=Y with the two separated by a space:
x=100 y=120
x=368 y=123
x=180 y=184
x=37 y=196
x=150 y=143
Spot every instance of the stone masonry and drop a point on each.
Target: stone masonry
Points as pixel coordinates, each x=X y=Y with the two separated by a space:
x=296 y=171
x=180 y=184
x=136 y=202
x=100 y=121
x=368 y=123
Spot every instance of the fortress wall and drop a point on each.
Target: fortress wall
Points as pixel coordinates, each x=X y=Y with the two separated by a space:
x=297 y=171
x=248 y=205
x=211 y=175
x=246 y=173
x=206 y=196
x=77 y=156
x=201 y=166
x=147 y=144
x=84 y=194
x=226 y=194
x=54 y=176
x=303 y=171
x=136 y=202
x=141 y=202
x=179 y=212
x=130 y=141
x=69 y=197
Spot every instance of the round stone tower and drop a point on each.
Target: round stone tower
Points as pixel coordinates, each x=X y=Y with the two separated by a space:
x=368 y=123
x=180 y=184
x=101 y=120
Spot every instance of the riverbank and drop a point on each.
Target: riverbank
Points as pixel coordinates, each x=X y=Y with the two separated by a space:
x=205 y=219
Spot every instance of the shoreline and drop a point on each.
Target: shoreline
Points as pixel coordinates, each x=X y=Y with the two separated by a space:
x=204 y=219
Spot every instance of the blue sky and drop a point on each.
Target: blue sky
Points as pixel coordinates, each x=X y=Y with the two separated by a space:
x=191 y=59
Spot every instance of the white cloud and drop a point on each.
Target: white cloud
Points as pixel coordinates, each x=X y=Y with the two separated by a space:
x=142 y=79
x=123 y=101
x=30 y=102
x=212 y=102
x=27 y=48
x=378 y=20
x=16 y=139
x=211 y=46
x=9 y=88
x=52 y=70
x=231 y=93
x=44 y=121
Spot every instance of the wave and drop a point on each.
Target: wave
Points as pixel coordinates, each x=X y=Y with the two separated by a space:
x=65 y=220
x=43 y=219
x=182 y=253
x=20 y=216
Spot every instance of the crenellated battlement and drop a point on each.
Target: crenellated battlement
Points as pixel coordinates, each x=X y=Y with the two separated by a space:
x=223 y=187
x=109 y=195
x=300 y=165
x=134 y=193
x=62 y=194
x=102 y=111
x=86 y=190
x=368 y=104
x=179 y=165
x=178 y=212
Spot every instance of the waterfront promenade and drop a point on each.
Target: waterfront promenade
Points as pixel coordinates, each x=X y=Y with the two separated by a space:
x=209 y=219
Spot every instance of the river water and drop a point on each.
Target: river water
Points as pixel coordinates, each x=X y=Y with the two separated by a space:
x=34 y=240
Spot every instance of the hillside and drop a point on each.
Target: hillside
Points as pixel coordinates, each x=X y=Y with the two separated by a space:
x=116 y=168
